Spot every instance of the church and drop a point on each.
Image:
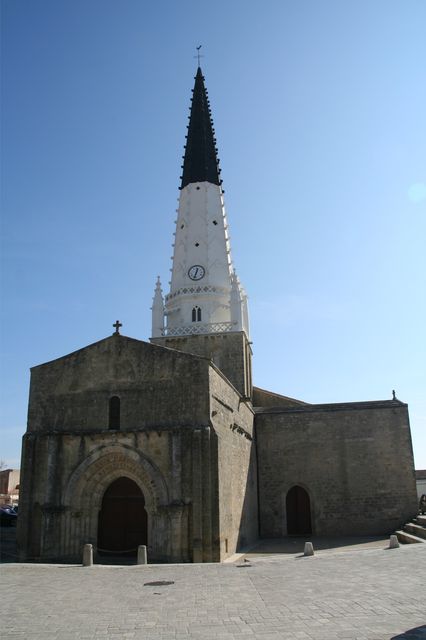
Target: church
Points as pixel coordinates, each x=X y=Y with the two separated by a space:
x=168 y=444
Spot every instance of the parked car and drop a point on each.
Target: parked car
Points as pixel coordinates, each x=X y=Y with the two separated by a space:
x=8 y=516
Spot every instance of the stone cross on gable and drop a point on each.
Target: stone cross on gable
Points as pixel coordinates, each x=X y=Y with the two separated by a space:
x=117 y=324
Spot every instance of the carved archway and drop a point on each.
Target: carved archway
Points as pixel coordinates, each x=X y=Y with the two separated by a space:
x=86 y=488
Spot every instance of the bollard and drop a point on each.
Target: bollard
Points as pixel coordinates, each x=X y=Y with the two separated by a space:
x=142 y=554
x=393 y=542
x=309 y=549
x=87 y=555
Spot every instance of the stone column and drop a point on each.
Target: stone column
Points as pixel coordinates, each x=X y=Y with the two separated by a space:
x=197 y=500
x=207 y=498
x=176 y=486
x=177 y=514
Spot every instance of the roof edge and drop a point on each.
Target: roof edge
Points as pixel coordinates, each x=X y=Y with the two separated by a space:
x=338 y=406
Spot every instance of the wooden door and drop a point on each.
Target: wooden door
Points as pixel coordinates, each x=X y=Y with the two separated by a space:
x=298 y=509
x=122 y=524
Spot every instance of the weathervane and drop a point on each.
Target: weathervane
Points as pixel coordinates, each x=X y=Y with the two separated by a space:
x=199 y=55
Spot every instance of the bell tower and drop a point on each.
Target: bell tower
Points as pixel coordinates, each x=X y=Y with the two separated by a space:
x=205 y=311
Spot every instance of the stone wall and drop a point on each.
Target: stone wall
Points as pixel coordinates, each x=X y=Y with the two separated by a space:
x=70 y=455
x=230 y=352
x=65 y=477
x=154 y=386
x=355 y=461
x=232 y=420
x=178 y=415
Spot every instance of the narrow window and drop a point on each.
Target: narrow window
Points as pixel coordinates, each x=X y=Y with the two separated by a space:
x=196 y=314
x=114 y=413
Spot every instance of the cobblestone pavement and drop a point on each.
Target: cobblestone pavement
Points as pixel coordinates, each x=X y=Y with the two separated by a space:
x=372 y=594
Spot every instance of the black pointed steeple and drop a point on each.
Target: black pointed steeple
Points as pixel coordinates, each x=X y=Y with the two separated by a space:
x=200 y=160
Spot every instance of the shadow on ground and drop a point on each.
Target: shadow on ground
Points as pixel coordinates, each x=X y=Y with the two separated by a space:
x=296 y=544
x=288 y=545
x=419 y=633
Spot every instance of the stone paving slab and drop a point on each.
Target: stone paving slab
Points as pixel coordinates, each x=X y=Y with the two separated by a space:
x=372 y=594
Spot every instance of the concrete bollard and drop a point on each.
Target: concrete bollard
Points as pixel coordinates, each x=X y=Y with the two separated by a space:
x=393 y=542
x=142 y=554
x=87 y=555
x=309 y=549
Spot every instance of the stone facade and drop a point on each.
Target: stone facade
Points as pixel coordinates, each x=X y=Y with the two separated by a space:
x=230 y=352
x=421 y=482
x=215 y=468
x=9 y=486
x=354 y=460
x=181 y=423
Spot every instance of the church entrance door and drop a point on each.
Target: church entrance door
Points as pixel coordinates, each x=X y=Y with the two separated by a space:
x=298 y=509
x=122 y=524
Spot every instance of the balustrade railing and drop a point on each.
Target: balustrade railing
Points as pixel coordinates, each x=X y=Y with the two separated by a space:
x=199 y=328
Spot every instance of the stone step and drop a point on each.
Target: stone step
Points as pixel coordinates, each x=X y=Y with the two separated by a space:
x=415 y=529
x=407 y=538
x=421 y=520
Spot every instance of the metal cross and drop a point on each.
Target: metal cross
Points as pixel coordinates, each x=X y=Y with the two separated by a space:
x=199 y=55
x=117 y=324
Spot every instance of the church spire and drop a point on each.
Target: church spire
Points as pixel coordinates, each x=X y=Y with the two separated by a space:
x=204 y=297
x=200 y=160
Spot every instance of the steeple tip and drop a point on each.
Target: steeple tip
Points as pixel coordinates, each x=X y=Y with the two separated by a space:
x=200 y=160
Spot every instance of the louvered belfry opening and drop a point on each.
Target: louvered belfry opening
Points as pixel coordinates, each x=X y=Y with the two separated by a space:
x=200 y=160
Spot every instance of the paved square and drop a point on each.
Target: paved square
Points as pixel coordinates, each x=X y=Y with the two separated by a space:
x=372 y=594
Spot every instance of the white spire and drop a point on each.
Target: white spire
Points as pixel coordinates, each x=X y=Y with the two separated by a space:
x=205 y=297
x=157 y=311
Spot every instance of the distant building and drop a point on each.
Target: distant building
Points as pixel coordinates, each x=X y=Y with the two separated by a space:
x=9 y=486
x=168 y=443
x=421 y=482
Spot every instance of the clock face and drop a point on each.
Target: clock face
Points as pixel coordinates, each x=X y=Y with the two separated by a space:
x=196 y=272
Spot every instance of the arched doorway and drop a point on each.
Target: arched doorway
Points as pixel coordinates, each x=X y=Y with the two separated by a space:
x=298 y=508
x=122 y=523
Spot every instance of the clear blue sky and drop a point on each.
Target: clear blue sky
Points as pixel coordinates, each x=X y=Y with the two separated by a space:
x=320 y=114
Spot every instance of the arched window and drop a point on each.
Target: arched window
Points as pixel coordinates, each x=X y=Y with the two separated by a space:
x=114 y=413
x=196 y=314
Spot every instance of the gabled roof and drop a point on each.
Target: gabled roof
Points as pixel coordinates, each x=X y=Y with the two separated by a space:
x=115 y=340
x=200 y=160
